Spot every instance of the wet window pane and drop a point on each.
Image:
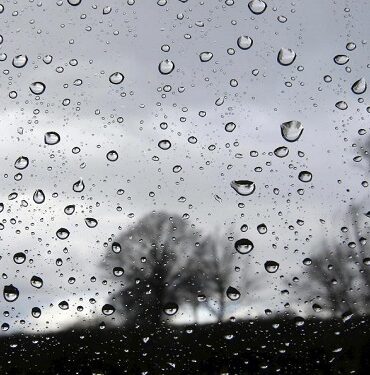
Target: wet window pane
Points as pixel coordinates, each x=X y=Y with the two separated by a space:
x=184 y=187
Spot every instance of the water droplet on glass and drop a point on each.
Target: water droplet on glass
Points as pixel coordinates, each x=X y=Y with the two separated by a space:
x=316 y=307
x=230 y=126
x=38 y=196
x=350 y=46
x=307 y=261
x=286 y=56
x=261 y=228
x=21 y=162
x=342 y=105
x=51 y=138
x=10 y=293
x=20 y=61
x=366 y=261
x=74 y=2
x=112 y=155
x=243 y=246
x=281 y=152
x=244 y=42
x=341 y=59
x=257 y=6
x=305 y=176
x=91 y=222
x=170 y=308
x=37 y=88
x=36 y=312
x=166 y=66
x=164 y=144
x=36 y=282
x=63 y=305
x=271 y=266
x=118 y=271
x=359 y=87
x=108 y=309
x=205 y=56
x=70 y=209
x=19 y=258
x=79 y=186
x=291 y=130
x=116 y=247
x=62 y=233
x=116 y=78
x=243 y=187
x=232 y=293
x=107 y=10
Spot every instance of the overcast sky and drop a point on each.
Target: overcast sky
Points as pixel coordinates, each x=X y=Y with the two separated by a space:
x=87 y=45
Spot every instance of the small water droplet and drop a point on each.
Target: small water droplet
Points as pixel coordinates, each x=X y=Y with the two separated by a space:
x=341 y=59
x=36 y=312
x=205 y=56
x=350 y=46
x=62 y=233
x=116 y=247
x=230 y=127
x=271 y=266
x=261 y=228
x=281 y=152
x=164 y=144
x=79 y=186
x=108 y=309
x=37 y=88
x=342 y=105
x=51 y=138
x=232 y=293
x=305 y=176
x=244 y=42
x=38 y=196
x=91 y=222
x=112 y=155
x=36 y=282
x=74 y=2
x=21 y=163
x=291 y=130
x=316 y=307
x=19 y=258
x=286 y=56
x=20 y=61
x=257 y=6
x=359 y=87
x=170 y=308
x=166 y=66
x=70 y=209
x=244 y=246
x=243 y=187
x=63 y=305
x=118 y=271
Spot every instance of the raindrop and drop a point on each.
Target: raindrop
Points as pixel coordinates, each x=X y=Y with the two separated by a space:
x=243 y=187
x=116 y=247
x=232 y=293
x=170 y=308
x=108 y=309
x=164 y=144
x=342 y=105
x=271 y=266
x=116 y=78
x=305 y=176
x=70 y=209
x=316 y=307
x=112 y=155
x=281 y=152
x=62 y=233
x=37 y=282
x=341 y=59
x=166 y=66
x=19 y=258
x=118 y=271
x=37 y=88
x=51 y=138
x=39 y=196
x=63 y=305
x=359 y=87
x=291 y=130
x=244 y=42
x=91 y=222
x=205 y=56
x=107 y=10
x=79 y=186
x=286 y=56
x=21 y=163
x=10 y=293
x=74 y=2
x=350 y=46
x=257 y=6
x=366 y=261
x=307 y=261
x=230 y=127
x=243 y=246
x=36 y=312
x=20 y=61
x=262 y=229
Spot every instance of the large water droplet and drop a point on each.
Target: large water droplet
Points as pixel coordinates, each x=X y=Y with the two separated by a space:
x=230 y=127
x=305 y=176
x=166 y=66
x=233 y=293
x=281 y=152
x=286 y=56
x=10 y=293
x=342 y=105
x=70 y=209
x=37 y=88
x=19 y=258
x=257 y=6
x=79 y=186
x=112 y=155
x=51 y=138
x=359 y=87
x=108 y=309
x=74 y=2
x=91 y=222
x=22 y=162
x=63 y=305
x=170 y=308
x=291 y=130
x=243 y=246
x=261 y=228
x=271 y=266
x=243 y=187
x=205 y=56
x=341 y=59
x=244 y=42
x=20 y=61
x=116 y=247
x=116 y=78
x=164 y=144
x=36 y=312
x=118 y=271
x=36 y=282
x=38 y=196
x=62 y=233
